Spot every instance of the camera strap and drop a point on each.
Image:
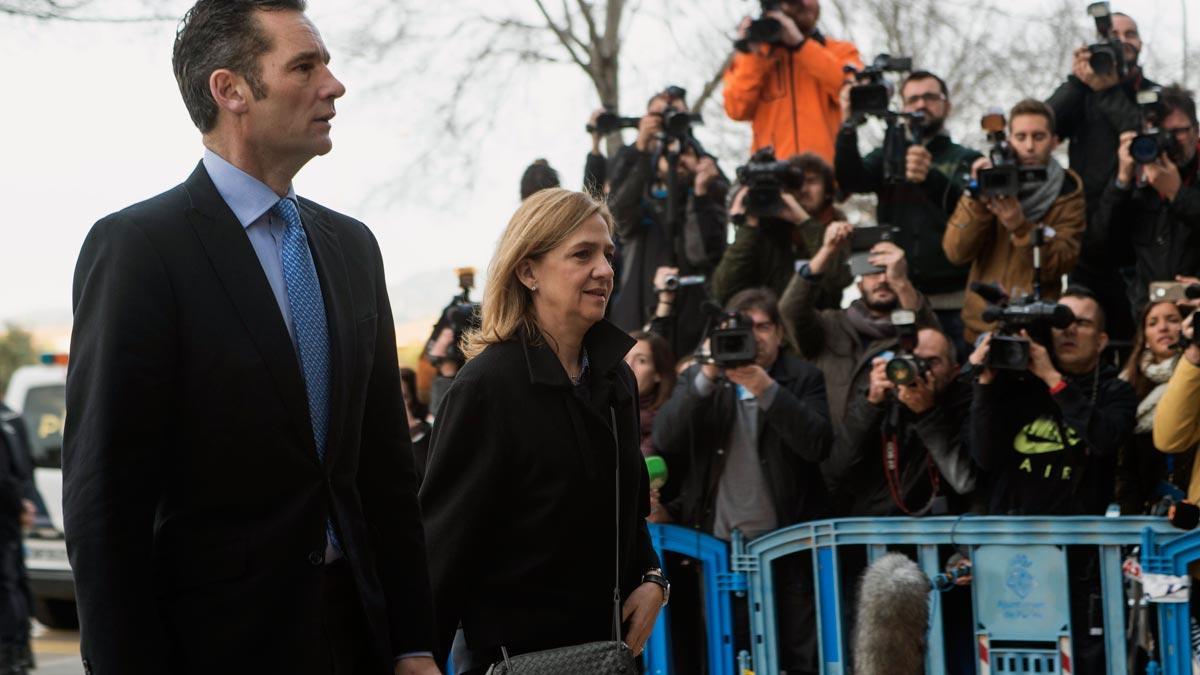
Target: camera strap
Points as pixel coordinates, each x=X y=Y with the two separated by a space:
x=891 y=474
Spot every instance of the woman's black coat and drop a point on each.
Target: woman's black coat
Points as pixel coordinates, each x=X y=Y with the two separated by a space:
x=518 y=498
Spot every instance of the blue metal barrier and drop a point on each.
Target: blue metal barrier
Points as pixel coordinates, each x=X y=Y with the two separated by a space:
x=986 y=538
x=720 y=581
x=1172 y=556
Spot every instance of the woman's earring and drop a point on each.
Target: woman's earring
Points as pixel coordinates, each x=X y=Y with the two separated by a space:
x=533 y=288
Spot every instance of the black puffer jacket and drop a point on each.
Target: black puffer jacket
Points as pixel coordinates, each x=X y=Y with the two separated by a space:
x=692 y=431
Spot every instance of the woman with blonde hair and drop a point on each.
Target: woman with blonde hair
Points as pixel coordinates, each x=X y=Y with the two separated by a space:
x=536 y=495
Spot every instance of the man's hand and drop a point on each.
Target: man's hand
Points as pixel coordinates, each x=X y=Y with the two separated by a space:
x=417 y=665
x=595 y=134
x=1081 y=67
x=1125 y=164
x=1192 y=353
x=743 y=28
x=792 y=211
x=919 y=396
x=650 y=126
x=28 y=513
x=706 y=170
x=979 y=165
x=665 y=298
x=641 y=609
x=738 y=207
x=837 y=234
x=1007 y=210
x=658 y=513
x=844 y=99
x=891 y=258
x=1040 y=363
x=979 y=357
x=752 y=377
x=1163 y=175
x=879 y=385
x=917 y=161
x=792 y=36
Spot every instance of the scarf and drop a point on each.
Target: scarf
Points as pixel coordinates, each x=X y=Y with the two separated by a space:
x=867 y=325
x=1036 y=199
x=1158 y=373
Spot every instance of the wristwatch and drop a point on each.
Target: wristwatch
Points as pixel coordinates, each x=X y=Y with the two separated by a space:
x=656 y=576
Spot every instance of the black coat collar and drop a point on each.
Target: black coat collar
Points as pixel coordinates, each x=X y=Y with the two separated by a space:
x=606 y=347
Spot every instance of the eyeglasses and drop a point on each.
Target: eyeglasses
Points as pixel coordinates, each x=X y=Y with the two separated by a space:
x=1179 y=132
x=931 y=97
x=764 y=326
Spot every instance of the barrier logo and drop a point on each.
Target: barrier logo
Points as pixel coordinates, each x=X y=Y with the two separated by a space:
x=1020 y=580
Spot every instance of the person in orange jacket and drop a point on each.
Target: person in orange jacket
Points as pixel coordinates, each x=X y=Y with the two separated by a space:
x=790 y=90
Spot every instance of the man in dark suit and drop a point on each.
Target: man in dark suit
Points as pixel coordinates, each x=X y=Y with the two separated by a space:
x=238 y=482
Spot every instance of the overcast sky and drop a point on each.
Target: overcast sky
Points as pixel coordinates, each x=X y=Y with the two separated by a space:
x=93 y=122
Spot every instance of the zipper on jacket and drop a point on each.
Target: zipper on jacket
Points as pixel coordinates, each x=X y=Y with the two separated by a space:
x=792 y=93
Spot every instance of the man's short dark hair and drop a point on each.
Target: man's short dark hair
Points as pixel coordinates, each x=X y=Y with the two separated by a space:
x=1175 y=97
x=809 y=162
x=762 y=299
x=1085 y=293
x=925 y=75
x=217 y=34
x=538 y=176
x=1032 y=106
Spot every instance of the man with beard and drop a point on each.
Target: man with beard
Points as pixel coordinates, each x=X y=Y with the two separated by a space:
x=921 y=203
x=1049 y=440
x=767 y=248
x=1157 y=204
x=1091 y=111
x=842 y=342
x=996 y=234
x=789 y=90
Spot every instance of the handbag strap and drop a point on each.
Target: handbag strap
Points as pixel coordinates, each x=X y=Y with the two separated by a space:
x=616 y=529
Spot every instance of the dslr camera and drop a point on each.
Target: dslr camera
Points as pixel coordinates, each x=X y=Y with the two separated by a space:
x=461 y=315
x=1006 y=175
x=1153 y=142
x=610 y=122
x=904 y=367
x=763 y=30
x=1010 y=350
x=765 y=179
x=1108 y=55
x=730 y=338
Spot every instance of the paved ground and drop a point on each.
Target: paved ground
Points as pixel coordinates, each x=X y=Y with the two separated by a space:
x=57 y=652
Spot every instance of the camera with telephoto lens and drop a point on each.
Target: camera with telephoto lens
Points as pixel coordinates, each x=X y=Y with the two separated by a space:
x=610 y=122
x=1006 y=176
x=765 y=179
x=905 y=367
x=461 y=315
x=1009 y=350
x=762 y=31
x=1107 y=56
x=1153 y=142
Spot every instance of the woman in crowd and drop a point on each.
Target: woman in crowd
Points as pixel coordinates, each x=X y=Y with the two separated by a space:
x=418 y=424
x=535 y=455
x=1145 y=475
x=654 y=367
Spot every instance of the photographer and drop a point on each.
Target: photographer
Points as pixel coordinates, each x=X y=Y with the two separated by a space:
x=841 y=341
x=1157 y=204
x=766 y=249
x=750 y=438
x=538 y=176
x=918 y=425
x=1177 y=418
x=996 y=234
x=921 y=203
x=789 y=88
x=443 y=350
x=692 y=244
x=1091 y=110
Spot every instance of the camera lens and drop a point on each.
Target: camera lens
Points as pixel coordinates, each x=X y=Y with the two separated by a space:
x=900 y=371
x=1144 y=149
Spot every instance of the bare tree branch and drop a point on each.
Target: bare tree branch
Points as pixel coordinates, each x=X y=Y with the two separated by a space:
x=710 y=87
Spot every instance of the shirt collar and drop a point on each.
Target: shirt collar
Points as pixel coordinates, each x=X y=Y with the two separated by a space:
x=248 y=197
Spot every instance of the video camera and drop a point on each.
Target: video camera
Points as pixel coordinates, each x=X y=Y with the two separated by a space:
x=730 y=337
x=765 y=179
x=1153 y=142
x=1009 y=350
x=461 y=315
x=871 y=97
x=1108 y=56
x=1006 y=175
x=763 y=30
x=674 y=282
x=904 y=367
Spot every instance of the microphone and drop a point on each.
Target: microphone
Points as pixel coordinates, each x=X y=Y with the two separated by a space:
x=992 y=313
x=892 y=623
x=657 y=468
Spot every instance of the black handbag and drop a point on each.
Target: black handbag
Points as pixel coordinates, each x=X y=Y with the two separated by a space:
x=611 y=657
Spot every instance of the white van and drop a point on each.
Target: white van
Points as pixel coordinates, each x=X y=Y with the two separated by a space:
x=38 y=393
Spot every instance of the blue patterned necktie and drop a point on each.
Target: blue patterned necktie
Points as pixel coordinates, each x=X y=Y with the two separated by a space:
x=309 y=325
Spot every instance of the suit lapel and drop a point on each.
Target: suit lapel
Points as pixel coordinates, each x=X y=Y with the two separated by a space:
x=335 y=288
x=237 y=266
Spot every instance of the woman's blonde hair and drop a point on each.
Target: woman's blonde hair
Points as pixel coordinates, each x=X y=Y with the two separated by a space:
x=543 y=221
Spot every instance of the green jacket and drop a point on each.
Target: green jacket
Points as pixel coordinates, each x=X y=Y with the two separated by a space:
x=919 y=210
x=766 y=256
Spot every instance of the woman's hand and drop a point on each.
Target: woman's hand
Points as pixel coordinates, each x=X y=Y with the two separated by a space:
x=641 y=610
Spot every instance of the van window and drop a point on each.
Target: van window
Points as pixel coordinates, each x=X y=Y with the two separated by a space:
x=44 y=412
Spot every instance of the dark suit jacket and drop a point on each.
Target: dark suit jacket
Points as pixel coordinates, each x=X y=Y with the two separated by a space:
x=519 y=498
x=194 y=500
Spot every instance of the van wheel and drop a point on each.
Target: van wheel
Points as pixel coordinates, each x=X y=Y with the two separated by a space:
x=59 y=614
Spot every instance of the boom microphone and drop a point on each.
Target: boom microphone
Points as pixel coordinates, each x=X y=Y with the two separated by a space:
x=892 y=618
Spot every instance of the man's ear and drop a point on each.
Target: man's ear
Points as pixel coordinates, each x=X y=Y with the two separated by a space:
x=1103 y=342
x=230 y=90
x=525 y=274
